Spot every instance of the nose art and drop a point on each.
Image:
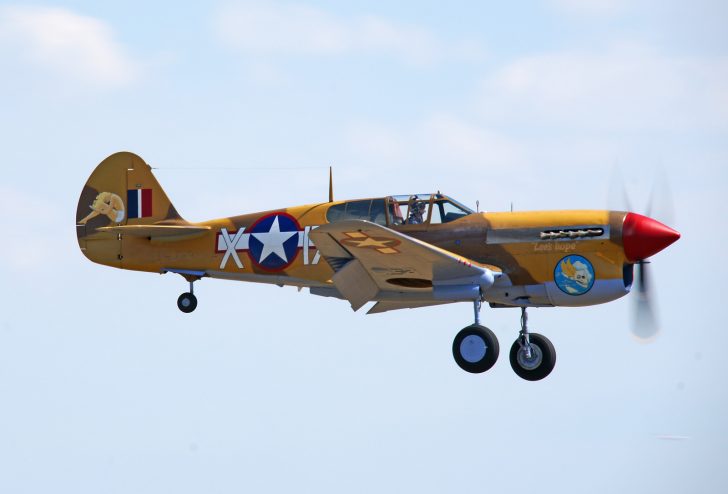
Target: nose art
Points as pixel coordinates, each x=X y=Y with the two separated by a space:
x=644 y=237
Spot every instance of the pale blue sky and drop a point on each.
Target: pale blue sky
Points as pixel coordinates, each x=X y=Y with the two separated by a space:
x=107 y=387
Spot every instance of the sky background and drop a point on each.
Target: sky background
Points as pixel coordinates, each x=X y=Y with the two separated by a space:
x=106 y=387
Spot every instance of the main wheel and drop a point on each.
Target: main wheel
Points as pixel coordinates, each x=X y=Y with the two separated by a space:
x=187 y=302
x=475 y=349
x=541 y=362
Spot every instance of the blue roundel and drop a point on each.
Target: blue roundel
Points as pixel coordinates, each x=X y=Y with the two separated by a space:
x=274 y=241
x=574 y=275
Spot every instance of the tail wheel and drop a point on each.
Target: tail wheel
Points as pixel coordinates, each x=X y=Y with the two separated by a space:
x=187 y=302
x=475 y=349
x=541 y=361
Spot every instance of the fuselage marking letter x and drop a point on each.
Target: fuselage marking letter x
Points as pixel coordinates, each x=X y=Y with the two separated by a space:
x=230 y=246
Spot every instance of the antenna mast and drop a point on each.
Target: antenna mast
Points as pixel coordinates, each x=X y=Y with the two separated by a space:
x=331 y=184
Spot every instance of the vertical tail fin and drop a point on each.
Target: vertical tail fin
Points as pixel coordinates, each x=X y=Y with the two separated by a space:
x=121 y=191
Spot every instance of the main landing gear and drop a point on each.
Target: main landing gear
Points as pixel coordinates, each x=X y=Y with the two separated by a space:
x=533 y=356
x=187 y=302
x=476 y=349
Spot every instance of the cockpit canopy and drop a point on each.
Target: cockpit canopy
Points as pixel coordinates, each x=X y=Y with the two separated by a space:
x=414 y=209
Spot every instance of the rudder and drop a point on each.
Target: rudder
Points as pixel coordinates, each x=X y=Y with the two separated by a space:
x=121 y=191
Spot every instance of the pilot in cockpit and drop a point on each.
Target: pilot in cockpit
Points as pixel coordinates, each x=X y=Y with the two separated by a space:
x=416 y=212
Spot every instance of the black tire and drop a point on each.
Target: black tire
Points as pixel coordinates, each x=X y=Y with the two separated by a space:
x=475 y=349
x=543 y=350
x=187 y=302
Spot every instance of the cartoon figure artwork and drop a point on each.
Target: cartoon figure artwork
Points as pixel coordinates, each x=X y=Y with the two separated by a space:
x=107 y=204
x=574 y=275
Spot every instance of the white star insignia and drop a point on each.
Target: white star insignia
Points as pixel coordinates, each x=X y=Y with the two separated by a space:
x=273 y=241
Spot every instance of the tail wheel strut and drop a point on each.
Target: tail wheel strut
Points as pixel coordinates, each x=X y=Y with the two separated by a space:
x=187 y=302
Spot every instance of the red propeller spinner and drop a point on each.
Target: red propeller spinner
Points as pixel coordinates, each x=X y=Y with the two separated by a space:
x=644 y=237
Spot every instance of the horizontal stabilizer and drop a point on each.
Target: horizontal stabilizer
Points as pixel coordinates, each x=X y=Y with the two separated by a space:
x=159 y=233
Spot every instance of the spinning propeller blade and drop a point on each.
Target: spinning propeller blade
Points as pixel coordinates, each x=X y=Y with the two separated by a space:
x=644 y=321
x=617 y=196
x=643 y=237
x=660 y=205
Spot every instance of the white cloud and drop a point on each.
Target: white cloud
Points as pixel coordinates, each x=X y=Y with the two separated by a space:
x=433 y=142
x=74 y=46
x=475 y=161
x=376 y=35
x=589 y=7
x=452 y=140
x=627 y=87
x=287 y=29
x=24 y=249
x=271 y=29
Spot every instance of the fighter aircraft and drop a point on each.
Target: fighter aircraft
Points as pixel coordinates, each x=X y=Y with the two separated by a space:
x=398 y=251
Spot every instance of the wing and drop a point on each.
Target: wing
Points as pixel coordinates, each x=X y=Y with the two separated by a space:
x=372 y=262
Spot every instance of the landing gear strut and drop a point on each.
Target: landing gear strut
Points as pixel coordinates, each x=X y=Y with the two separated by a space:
x=475 y=347
x=187 y=302
x=533 y=356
